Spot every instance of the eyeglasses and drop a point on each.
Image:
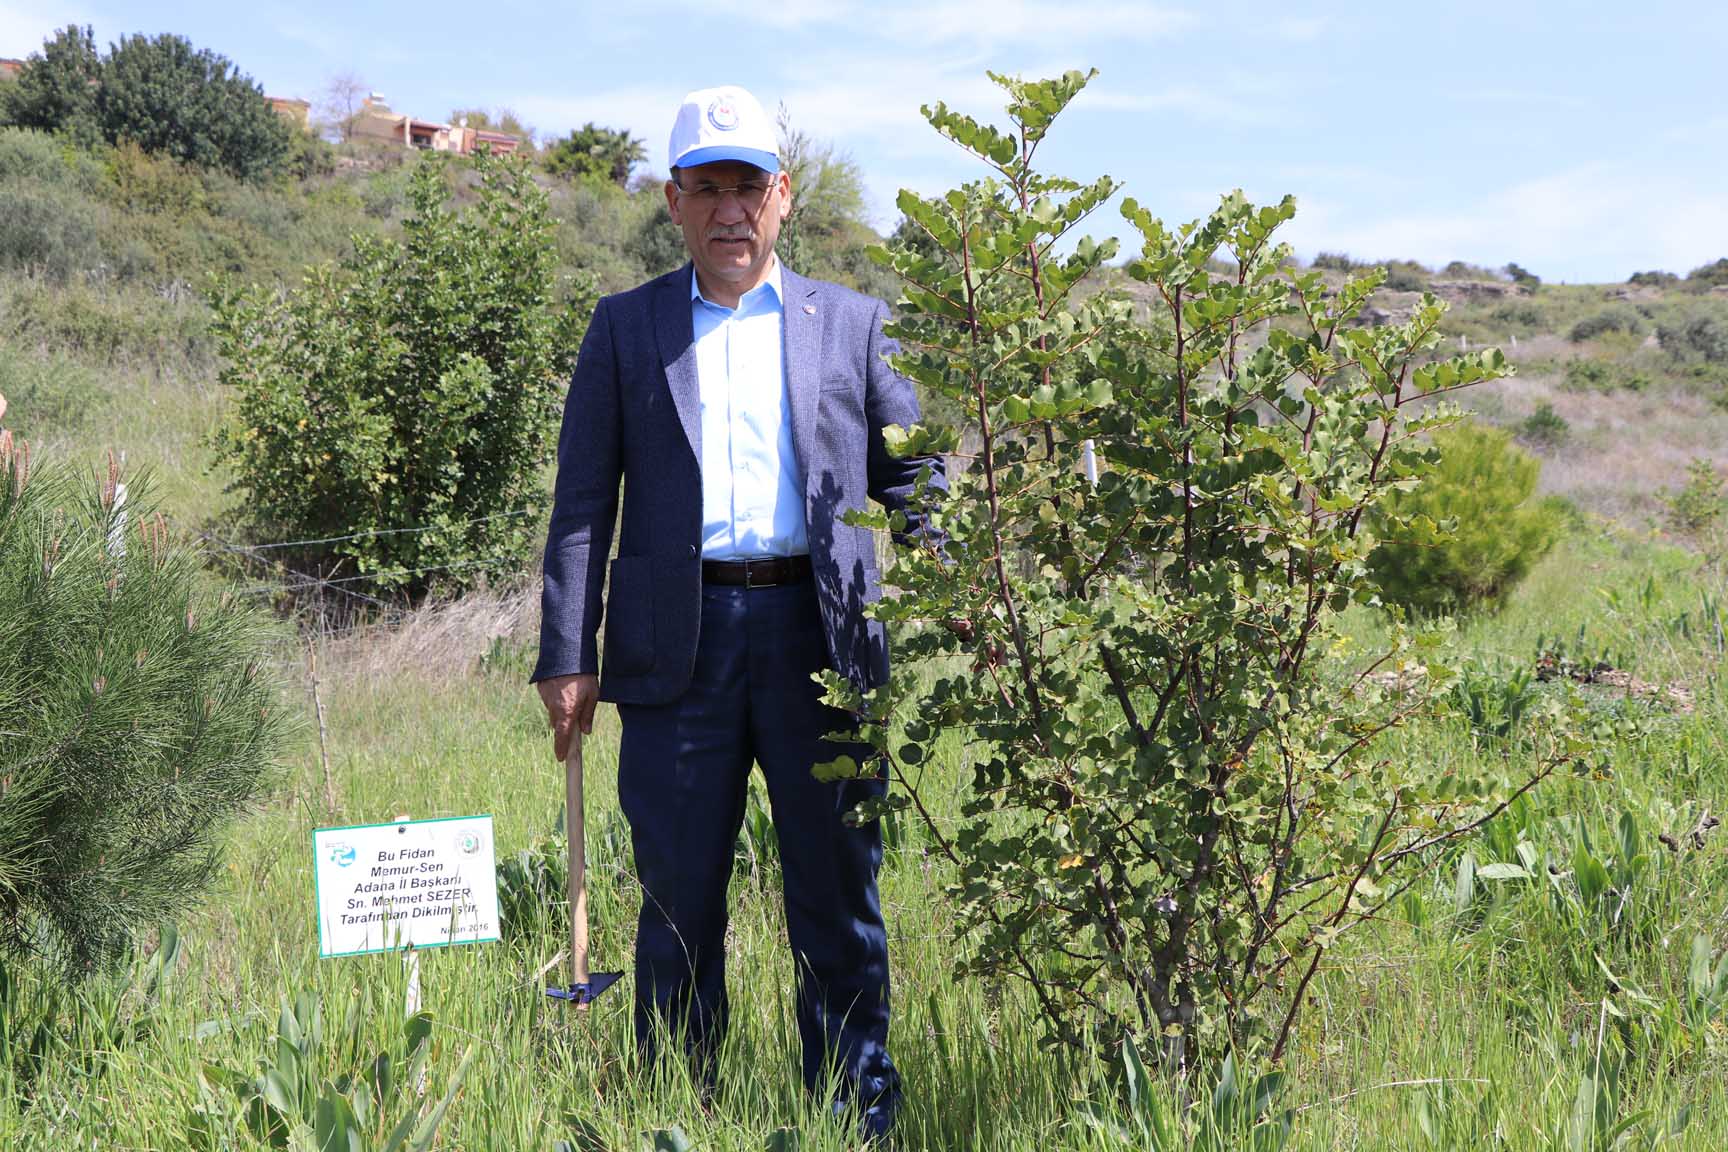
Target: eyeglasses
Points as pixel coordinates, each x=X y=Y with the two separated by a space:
x=752 y=194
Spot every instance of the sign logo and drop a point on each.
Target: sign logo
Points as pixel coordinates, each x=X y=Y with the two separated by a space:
x=342 y=854
x=468 y=844
x=723 y=115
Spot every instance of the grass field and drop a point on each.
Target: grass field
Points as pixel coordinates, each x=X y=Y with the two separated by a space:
x=1497 y=1001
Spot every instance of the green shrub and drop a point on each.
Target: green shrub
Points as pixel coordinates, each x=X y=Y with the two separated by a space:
x=1544 y=427
x=1585 y=374
x=40 y=160
x=1481 y=487
x=1407 y=276
x=1616 y=319
x=47 y=232
x=1713 y=273
x=408 y=395
x=116 y=325
x=1519 y=314
x=1654 y=279
x=1698 y=506
x=1171 y=802
x=135 y=718
x=1700 y=335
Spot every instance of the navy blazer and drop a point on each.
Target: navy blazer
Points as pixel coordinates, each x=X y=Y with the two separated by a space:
x=634 y=413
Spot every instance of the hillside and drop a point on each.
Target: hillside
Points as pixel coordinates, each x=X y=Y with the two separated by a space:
x=1467 y=1020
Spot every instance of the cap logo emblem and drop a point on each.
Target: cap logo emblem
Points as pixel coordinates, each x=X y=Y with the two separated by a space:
x=723 y=115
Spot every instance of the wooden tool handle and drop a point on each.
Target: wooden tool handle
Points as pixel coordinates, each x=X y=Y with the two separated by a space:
x=578 y=862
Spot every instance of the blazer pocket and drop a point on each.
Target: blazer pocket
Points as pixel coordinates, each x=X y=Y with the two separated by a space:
x=629 y=648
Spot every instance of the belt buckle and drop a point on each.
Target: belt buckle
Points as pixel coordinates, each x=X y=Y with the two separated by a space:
x=749 y=568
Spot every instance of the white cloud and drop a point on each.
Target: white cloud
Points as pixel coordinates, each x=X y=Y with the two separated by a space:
x=1590 y=223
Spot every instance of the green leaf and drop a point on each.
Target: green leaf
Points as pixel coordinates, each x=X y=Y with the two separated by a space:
x=1500 y=871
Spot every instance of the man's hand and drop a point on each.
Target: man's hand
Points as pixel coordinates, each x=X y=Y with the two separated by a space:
x=569 y=704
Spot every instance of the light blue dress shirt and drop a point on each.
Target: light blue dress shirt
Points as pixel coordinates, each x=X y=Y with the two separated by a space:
x=751 y=501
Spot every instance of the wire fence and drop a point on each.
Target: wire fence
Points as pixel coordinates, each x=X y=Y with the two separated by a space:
x=292 y=580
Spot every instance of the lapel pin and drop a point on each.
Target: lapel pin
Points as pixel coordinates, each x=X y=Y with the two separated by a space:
x=809 y=309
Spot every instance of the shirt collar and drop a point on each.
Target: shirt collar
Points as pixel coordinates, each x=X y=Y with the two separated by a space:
x=771 y=282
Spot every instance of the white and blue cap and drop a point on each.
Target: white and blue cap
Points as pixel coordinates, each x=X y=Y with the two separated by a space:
x=724 y=123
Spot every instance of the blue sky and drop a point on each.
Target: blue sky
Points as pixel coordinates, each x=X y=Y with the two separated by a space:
x=1582 y=140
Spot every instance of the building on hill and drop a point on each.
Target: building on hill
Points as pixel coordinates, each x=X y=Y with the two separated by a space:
x=296 y=112
x=9 y=69
x=378 y=122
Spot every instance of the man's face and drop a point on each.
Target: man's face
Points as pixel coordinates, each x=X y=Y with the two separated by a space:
x=731 y=235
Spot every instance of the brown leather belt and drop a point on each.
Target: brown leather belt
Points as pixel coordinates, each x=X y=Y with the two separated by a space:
x=763 y=573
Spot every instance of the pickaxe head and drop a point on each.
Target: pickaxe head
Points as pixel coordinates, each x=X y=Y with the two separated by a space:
x=587 y=991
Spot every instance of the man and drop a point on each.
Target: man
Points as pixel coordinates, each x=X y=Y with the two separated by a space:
x=743 y=407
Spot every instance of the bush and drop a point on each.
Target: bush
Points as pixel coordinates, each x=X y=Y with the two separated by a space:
x=1472 y=532
x=135 y=724
x=1519 y=314
x=40 y=161
x=1696 y=336
x=409 y=395
x=1617 y=319
x=1713 y=273
x=47 y=232
x=1544 y=427
x=1171 y=804
x=1698 y=506
x=1585 y=374
x=1407 y=276
x=1654 y=279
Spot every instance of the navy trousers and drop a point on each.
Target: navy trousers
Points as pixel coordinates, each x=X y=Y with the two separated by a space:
x=683 y=771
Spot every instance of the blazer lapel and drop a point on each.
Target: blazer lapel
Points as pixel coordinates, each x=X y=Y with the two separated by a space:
x=677 y=338
x=803 y=353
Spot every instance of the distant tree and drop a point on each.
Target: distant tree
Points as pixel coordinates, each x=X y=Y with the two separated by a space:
x=1464 y=270
x=593 y=152
x=1407 y=276
x=1713 y=273
x=1654 y=279
x=1334 y=262
x=1523 y=277
x=829 y=230
x=340 y=103
x=192 y=104
x=56 y=90
x=499 y=120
